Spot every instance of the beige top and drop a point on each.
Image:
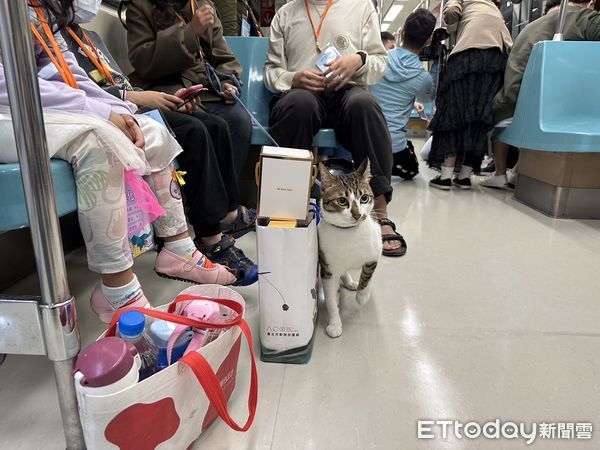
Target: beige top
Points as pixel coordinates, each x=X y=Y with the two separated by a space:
x=350 y=26
x=476 y=24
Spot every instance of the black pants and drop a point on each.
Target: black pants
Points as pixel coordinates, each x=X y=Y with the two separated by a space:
x=211 y=184
x=352 y=112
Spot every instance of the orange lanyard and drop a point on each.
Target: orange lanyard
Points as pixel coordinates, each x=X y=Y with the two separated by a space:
x=193 y=8
x=317 y=32
x=93 y=55
x=56 y=57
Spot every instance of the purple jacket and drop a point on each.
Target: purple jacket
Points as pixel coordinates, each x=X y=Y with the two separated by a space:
x=55 y=94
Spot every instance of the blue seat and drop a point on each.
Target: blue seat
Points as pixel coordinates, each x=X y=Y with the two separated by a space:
x=251 y=52
x=558 y=110
x=13 y=212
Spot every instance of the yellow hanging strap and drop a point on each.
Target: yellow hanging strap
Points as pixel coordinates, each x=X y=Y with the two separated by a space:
x=178 y=176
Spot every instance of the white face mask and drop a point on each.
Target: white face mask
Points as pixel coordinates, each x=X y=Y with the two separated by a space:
x=86 y=10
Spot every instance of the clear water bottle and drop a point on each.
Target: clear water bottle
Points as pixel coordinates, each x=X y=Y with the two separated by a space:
x=131 y=329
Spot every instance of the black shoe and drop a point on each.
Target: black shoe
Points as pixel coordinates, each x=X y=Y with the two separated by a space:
x=438 y=183
x=465 y=183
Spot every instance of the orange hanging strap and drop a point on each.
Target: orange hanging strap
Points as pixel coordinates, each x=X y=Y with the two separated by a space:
x=317 y=32
x=56 y=55
x=193 y=6
x=93 y=55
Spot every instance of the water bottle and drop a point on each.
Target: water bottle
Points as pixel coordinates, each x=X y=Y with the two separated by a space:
x=131 y=329
x=106 y=366
x=160 y=332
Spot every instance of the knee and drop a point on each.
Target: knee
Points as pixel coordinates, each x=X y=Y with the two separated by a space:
x=238 y=117
x=363 y=104
x=298 y=104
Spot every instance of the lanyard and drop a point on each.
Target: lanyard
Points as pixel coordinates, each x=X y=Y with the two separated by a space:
x=193 y=8
x=55 y=55
x=93 y=55
x=317 y=32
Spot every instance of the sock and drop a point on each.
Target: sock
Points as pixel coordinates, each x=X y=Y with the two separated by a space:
x=447 y=172
x=185 y=248
x=121 y=296
x=465 y=172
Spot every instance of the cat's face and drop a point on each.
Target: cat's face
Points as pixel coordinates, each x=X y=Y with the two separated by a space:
x=347 y=200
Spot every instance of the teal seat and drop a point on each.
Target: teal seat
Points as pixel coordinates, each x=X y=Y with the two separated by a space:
x=251 y=52
x=13 y=212
x=558 y=109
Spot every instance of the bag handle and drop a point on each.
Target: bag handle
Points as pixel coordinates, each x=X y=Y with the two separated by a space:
x=175 y=318
x=213 y=390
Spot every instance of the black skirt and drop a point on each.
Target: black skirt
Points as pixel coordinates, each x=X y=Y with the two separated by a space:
x=463 y=117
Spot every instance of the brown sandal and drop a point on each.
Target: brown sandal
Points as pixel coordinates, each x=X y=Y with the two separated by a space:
x=401 y=251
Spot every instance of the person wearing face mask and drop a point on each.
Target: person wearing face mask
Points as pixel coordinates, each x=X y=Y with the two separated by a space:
x=99 y=136
x=179 y=43
x=211 y=186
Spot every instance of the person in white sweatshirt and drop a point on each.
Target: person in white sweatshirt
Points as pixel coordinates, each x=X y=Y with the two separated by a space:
x=312 y=95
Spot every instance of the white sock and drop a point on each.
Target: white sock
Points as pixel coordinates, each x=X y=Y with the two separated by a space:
x=183 y=247
x=447 y=172
x=122 y=295
x=465 y=172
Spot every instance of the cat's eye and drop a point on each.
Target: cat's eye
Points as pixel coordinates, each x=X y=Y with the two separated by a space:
x=366 y=198
x=342 y=201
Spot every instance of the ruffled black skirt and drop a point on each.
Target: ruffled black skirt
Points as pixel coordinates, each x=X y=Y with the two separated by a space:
x=463 y=116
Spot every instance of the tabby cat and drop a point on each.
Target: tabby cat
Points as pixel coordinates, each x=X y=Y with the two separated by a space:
x=349 y=238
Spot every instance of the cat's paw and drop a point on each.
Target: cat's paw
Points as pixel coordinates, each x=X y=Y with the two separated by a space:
x=362 y=297
x=334 y=330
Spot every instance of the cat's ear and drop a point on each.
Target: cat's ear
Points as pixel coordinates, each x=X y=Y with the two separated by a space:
x=327 y=177
x=364 y=170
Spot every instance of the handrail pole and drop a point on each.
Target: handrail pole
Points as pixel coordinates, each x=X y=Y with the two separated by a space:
x=59 y=322
x=562 y=17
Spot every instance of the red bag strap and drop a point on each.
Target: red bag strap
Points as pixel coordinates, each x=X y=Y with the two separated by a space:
x=175 y=318
x=213 y=390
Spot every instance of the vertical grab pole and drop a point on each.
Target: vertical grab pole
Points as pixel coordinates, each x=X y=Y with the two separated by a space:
x=59 y=323
x=562 y=16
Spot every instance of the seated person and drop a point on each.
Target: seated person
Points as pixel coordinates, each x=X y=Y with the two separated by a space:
x=175 y=44
x=211 y=183
x=96 y=133
x=582 y=24
x=388 y=40
x=406 y=80
x=336 y=97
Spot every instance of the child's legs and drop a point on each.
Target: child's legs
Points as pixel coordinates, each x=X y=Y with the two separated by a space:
x=102 y=206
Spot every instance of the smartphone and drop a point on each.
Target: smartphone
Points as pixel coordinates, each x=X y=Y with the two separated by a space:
x=191 y=92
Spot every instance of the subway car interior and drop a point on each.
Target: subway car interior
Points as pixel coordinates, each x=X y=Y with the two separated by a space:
x=301 y=224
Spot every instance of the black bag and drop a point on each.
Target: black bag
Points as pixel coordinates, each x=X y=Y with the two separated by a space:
x=406 y=164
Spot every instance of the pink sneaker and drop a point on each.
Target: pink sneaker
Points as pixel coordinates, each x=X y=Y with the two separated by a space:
x=105 y=311
x=170 y=265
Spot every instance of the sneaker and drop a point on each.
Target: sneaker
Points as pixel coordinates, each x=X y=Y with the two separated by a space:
x=511 y=177
x=438 y=183
x=245 y=222
x=405 y=163
x=105 y=310
x=495 y=181
x=228 y=255
x=198 y=270
x=464 y=184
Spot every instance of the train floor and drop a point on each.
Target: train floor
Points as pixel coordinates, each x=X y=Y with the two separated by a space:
x=493 y=313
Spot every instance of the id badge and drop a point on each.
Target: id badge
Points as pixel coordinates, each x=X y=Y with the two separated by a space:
x=328 y=55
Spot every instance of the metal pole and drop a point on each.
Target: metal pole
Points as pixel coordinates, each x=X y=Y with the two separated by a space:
x=562 y=16
x=61 y=334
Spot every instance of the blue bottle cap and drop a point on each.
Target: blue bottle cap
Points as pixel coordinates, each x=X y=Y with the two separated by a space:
x=131 y=324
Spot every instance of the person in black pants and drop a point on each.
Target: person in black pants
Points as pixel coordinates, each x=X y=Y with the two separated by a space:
x=211 y=183
x=321 y=68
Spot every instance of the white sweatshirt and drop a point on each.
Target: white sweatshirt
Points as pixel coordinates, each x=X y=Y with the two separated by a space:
x=350 y=26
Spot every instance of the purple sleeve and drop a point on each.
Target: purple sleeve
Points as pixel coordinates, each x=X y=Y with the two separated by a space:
x=55 y=94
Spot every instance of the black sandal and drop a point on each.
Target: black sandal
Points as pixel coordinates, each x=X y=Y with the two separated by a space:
x=401 y=251
x=245 y=222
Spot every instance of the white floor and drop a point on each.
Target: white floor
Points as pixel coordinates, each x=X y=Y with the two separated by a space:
x=493 y=313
